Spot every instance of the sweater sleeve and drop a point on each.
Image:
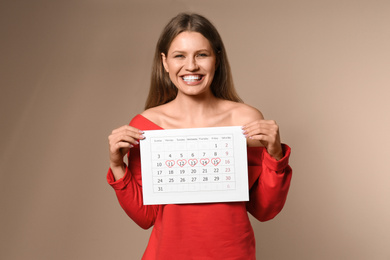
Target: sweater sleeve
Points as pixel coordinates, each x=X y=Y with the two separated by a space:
x=128 y=190
x=269 y=182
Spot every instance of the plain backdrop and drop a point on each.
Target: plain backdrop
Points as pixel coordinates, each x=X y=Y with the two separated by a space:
x=73 y=70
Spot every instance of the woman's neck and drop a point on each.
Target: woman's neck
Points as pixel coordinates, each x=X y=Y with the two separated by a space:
x=194 y=109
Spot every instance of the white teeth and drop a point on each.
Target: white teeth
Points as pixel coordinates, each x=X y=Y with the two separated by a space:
x=191 y=78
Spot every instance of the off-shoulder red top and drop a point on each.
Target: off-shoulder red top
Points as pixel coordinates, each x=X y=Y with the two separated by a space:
x=205 y=231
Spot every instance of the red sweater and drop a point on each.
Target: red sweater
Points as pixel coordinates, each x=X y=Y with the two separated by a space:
x=205 y=231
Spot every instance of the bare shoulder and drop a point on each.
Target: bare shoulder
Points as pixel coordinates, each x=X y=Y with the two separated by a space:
x=150 y=112
x=243 y=114
x=154 y=114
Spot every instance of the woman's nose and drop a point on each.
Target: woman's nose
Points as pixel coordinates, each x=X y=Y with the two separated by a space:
x=191 y=64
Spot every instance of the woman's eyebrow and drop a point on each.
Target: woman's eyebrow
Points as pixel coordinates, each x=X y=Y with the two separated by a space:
x=178 y=51
x=206 y=50
x=182 y=51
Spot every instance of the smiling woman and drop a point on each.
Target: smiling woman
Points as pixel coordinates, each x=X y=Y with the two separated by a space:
x=192 y=87
x=190 y=63
x=162 y=90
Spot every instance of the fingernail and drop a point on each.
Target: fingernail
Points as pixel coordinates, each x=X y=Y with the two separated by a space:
x=141 y=137
x=141 y=132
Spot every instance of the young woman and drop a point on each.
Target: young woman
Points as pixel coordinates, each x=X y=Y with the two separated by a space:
x=192 y=87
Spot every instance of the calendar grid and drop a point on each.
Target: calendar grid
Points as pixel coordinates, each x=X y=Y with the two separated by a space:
x=194 y=165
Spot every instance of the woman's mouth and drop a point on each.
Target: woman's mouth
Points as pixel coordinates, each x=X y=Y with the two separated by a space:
x=192 y=78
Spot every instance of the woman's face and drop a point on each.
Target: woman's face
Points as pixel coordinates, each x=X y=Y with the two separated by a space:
x=190 y=63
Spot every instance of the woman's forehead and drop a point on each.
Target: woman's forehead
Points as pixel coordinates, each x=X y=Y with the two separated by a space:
x=189 y=41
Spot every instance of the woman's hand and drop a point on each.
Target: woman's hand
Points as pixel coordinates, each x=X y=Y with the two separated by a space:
x=267 y=132
x=120 y=141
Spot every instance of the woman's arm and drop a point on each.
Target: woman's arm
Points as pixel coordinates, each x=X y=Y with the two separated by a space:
x=269 y=190
x=129 y=193
x=269 y=172
x=126 y=179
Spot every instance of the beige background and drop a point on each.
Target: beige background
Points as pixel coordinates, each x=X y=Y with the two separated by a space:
x=73 y=70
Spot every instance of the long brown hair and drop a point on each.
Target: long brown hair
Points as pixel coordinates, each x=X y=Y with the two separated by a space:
x=162 y=90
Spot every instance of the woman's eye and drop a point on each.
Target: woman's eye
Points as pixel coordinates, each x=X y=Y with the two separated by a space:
x=179 y=56
x=202 y=55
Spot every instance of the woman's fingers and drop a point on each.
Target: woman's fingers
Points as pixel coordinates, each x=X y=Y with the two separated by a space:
x=267 y=132
x=121 y=140
x=261 y=127
x=128 y=130
x=123 y=137
x=127 y=134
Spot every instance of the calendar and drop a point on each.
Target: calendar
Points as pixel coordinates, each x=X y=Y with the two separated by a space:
x=194 y=165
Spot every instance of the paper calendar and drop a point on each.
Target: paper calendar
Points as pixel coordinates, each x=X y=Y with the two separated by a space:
x=195 y=165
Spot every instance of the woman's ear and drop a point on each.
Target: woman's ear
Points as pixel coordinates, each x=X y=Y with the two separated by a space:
x=164 y=62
